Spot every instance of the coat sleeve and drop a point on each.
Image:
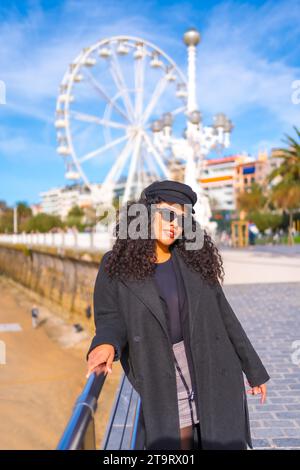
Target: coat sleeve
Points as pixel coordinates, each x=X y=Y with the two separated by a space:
x=110 y=327
x=251 y=364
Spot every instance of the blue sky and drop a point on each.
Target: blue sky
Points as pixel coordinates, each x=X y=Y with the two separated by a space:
x=247 y=61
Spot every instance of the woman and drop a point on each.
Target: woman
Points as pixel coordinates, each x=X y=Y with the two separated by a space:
x=159 y=307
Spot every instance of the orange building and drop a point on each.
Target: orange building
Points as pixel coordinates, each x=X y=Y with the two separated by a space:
x=224 y=178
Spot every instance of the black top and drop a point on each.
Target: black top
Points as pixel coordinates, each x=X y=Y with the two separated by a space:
x=166 y=281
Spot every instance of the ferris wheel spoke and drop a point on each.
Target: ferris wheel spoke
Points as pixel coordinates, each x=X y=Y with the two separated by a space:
x=149 y=162
x=122 y=95
x=100 y=150
x=118 y=78
x=139 y=75
x=160 y=87
x=156 y=155
x=178 y=110
x=94 y=119
x=117 y=168
x=102 y=92
x=158 y=145
x=132 y=168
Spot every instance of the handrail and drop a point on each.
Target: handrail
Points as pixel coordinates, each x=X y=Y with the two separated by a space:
x=124 y=428
x=79 y=432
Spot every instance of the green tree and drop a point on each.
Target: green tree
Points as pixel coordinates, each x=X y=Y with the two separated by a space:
x=285 y=180
x=43 y=223
x=89 y=216
x=24 y=213
x=252 y=199
x=75 y=218
x=265 y=220
x=6 y=219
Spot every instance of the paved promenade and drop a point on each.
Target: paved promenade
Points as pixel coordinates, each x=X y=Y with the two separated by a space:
x=258 y=264
x=263 y=287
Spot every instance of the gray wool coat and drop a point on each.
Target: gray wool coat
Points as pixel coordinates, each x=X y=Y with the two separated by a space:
x=130 y=315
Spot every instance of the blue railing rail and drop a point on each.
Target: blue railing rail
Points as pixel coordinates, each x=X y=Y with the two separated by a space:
x=80 y=430
x=124 y=430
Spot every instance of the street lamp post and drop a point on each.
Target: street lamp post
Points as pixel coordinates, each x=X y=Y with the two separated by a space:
x=198 y=140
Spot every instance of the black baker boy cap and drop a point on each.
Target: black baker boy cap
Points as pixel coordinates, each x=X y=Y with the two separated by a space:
x=171 y=191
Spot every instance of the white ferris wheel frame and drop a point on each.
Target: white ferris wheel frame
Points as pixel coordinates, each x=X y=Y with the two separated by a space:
x=129 y=139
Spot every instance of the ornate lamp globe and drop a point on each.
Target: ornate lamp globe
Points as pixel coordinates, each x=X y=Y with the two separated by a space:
x=191 y=37
x=195 y=117
x=157 y=125
x=167 y=119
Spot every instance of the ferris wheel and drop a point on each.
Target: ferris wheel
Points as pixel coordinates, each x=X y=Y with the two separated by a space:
x=113 y=97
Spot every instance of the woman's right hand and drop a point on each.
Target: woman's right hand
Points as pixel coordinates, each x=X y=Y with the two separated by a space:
x=100 y=359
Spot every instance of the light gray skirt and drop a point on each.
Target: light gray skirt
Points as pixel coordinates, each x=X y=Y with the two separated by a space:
x=185 y=417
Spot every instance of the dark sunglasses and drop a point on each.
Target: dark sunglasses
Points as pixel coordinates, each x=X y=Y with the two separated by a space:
x=168 y=215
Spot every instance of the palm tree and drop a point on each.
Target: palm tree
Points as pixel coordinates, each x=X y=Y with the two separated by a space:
x=252 y=199
x=285 y=191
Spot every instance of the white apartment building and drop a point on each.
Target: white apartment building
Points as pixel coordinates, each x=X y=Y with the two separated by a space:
x=218 y=178
x=59 y=201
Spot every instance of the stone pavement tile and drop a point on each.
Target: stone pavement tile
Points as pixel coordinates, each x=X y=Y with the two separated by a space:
x=261 y=415
x=284 y=423
x=292 y=393
x=292 y=432
x=294 y=400
x=265 y=433
x=255 y=423
x=260 y=443
x=288 y=414
x=270 y=407
x=294 y=407
x=287 y=442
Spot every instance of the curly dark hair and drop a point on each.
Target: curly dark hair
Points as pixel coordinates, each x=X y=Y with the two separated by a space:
x=136 y=258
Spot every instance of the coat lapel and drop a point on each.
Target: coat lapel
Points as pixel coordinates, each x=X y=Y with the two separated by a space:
x=147 y=292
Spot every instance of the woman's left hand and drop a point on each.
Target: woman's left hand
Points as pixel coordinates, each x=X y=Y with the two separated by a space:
x=259 y=389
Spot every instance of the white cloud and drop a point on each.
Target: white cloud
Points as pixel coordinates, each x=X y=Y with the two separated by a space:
x=238 y=73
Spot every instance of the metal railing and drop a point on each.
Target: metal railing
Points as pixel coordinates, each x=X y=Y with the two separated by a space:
x=124 y=430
